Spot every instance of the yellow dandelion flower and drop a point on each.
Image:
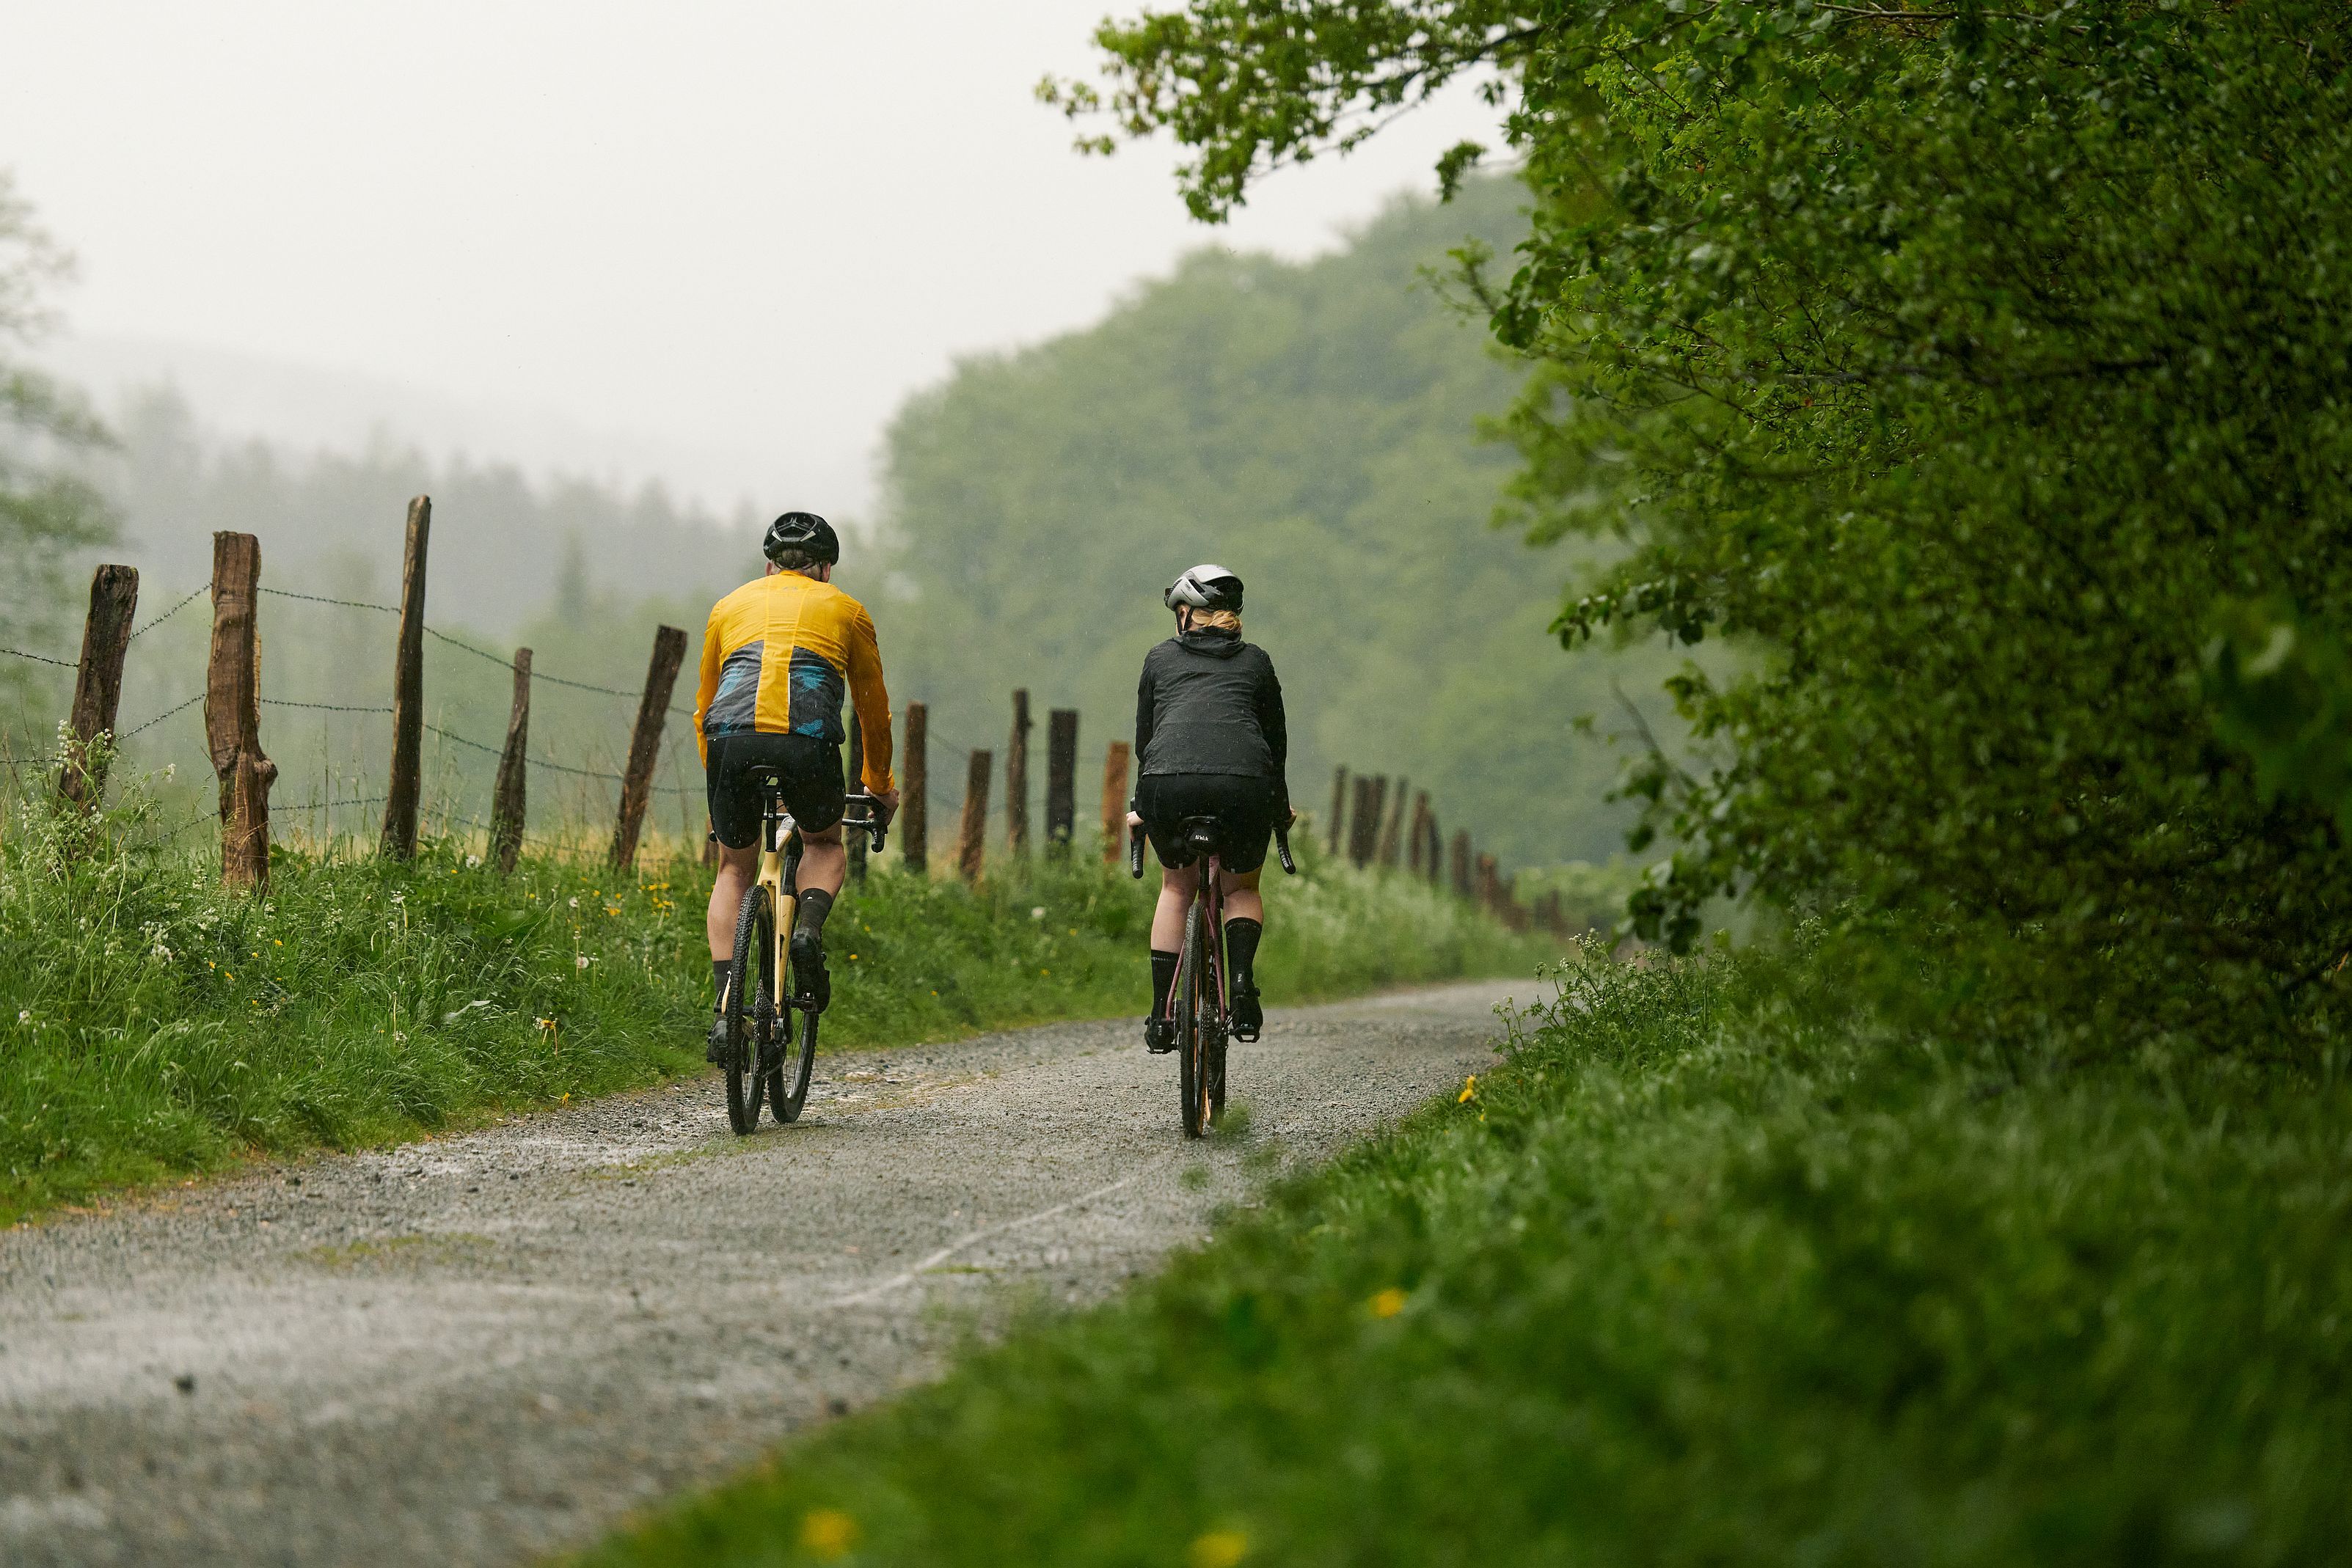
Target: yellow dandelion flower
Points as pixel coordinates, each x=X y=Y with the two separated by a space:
x=827 y=1533
x=1469 y=1090
x=1387 y=1303
x=1218 y=1548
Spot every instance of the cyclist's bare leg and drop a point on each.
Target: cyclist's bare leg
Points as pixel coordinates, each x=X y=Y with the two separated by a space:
x=1177 y=886
x=735 y=870
x=824 y=861
x=1242 y=899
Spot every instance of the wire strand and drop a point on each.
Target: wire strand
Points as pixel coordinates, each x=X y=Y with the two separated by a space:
x=158 y=619
x=160 y=717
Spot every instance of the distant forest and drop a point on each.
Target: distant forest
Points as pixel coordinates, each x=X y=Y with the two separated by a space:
x=1312 y=425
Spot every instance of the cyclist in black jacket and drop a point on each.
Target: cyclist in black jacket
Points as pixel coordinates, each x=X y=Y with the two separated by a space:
x=1210 y=741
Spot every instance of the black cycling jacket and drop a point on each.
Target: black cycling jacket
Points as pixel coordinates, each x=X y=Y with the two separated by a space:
x=1209 y=702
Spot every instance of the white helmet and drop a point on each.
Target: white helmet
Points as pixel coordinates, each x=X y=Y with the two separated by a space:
x=1205 y=588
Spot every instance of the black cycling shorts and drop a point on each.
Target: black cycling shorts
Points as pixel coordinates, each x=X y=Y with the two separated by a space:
x=1245 y=808
x=811 y=769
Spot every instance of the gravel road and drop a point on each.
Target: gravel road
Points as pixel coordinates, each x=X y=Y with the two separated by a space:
x=478 y=1348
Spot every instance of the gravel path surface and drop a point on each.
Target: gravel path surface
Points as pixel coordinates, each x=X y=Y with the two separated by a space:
x=475 y=1349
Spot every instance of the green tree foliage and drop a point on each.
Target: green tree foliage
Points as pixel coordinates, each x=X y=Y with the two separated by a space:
x=1966 y=359
x=1313 y=427
x=45 y=511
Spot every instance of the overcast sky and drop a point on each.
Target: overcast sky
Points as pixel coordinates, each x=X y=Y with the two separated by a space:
x=715 y=242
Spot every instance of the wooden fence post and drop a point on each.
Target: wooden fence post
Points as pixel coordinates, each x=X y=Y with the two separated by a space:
x=645 y=744
x=855 y=782
x=1016 y=778
x=1114 y=802
x=507 y=796
x=1371 y=805
x=1462 y=861
x=98 y=682
x=971 y=837
x=1434 y=853
x=1393 y=829
x=1338 y=810
x=402 y=789
x=914 y=799
x=1417 y=855
x=233 y=713
x=1061 y=779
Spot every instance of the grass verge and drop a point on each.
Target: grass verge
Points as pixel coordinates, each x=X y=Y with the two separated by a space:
x=152 y=1025
x=1714 y=1269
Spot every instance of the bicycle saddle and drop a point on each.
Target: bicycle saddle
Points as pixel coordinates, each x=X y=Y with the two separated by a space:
x=1201 y=835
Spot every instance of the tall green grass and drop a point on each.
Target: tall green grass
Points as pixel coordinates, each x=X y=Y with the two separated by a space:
x=152 y=1024
x=1715 y=1269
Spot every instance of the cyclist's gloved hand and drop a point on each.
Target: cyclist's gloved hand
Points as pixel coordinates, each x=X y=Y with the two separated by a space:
x=886 y=804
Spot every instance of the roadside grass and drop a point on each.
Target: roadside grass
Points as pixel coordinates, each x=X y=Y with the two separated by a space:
x=1714 y=1269
x=154 y=1026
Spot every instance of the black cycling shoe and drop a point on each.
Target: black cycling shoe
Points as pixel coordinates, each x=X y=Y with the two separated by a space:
x=715 y=1052
x=1158 y=1034
x=1248 y=1015
x=809 y=976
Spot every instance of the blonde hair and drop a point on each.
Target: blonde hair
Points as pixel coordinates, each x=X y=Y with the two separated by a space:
x=1216 y=619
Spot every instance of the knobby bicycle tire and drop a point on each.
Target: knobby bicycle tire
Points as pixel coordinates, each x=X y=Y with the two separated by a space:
x=749 y=1026
x=788 y=1086
x=1191 y=1086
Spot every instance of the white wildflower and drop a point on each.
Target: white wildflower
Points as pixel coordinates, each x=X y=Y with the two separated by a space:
x=581 y=962
x=473 y=861
x=1038 y=913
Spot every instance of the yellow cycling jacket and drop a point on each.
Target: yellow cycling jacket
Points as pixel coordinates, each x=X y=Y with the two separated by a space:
x=775 y=658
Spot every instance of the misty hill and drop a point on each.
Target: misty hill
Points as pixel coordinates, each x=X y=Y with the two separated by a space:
x=332 y=521
x=1313 y=427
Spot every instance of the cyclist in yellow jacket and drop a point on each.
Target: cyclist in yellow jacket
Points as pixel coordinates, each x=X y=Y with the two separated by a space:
x=777 y=657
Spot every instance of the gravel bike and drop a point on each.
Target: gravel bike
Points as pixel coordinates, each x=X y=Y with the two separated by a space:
x=1200 y=1000
x=767 y=1054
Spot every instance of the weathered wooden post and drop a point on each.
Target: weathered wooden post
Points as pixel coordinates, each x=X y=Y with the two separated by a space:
x=855 y=782
x=1016 y=779
x=97 y=680
x=971 y=836
x=1417 y=855
x=233 y=713
x=1061 y=779
x=1371 y=806
x=402 y=789
x=1434 y=861
x=914 y=799
x=645 y=744
x=1114 y=802
x=1462 y=861
x=507 y=796
x=1338 y=810
x=1393 y=829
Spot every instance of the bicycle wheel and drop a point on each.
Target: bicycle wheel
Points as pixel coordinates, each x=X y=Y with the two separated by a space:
x=1191 y=980
x=751 y=1008
x=788 y=1084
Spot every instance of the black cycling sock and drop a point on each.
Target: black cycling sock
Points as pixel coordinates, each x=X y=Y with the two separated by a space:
x=1241 y=950
x=815 y=904
x=1164 y=979
x=720 y=969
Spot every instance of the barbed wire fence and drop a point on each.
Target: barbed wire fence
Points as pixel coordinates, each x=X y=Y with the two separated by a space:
x=576 y=798
x=577 y=795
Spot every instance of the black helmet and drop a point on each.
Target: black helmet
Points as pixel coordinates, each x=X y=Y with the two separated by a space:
x=805 y=532
x=1205 y=588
